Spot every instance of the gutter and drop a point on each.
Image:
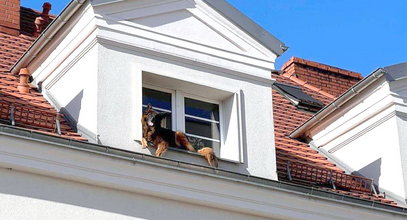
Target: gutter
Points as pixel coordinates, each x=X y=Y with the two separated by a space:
x=338 y=103
x=47 y=35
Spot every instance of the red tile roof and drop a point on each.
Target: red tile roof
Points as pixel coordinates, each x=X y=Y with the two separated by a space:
x=307 y=166
x=32 y=110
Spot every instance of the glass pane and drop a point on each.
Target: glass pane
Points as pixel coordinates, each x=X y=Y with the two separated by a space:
x=202 y=128
x=157 y=99
x=201 y=109
x=200 y=143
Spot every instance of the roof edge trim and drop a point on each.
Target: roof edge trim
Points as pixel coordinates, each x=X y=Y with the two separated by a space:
x=341 y=100
x=251 y=27
x=47 y=34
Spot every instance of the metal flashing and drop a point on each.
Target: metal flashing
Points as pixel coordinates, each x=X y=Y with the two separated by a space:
x=396 y=72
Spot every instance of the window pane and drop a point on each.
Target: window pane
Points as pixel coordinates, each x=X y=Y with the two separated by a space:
x=157 y=99
x=160 y=100
x=201 y=109
x=200 y=143
x=202 y=128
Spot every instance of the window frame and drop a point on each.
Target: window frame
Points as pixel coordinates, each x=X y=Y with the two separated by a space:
x=181 y=96
x=178 y=111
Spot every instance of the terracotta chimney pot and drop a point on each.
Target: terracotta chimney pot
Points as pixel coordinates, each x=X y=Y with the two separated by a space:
x=42 y=21
x=46 y=7
x=23 y=86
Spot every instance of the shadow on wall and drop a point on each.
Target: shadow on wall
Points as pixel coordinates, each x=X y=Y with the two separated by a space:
x=372 y=170
x=72 y=110
x=244 y=132
x=67 y=197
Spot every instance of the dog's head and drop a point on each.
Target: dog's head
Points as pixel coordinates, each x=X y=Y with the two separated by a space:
x=149 y=115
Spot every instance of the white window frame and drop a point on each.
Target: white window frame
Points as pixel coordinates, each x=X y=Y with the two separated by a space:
x=180 y=96
x=178 y=111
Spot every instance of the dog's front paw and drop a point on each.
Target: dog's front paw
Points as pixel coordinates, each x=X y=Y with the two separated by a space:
x=144 y=143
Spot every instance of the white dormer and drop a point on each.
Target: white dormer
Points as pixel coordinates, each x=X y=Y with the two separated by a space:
x=365 y=130
x=109 y=56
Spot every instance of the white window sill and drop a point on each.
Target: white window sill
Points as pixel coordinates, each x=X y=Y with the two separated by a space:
x=194 y=154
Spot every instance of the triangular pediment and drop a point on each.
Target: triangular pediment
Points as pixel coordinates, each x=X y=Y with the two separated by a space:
x=182 y=24
x=189 y=20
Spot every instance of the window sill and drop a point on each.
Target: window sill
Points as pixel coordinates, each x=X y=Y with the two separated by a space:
x=194 y=154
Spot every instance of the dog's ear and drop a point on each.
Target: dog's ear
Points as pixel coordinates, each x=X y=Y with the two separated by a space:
x=149 y=107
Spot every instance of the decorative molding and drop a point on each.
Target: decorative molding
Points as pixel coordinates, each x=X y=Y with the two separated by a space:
x=81 y=36
x=175 y=41
x=72 y=63
x=362 y=132
x=359 y=121
x=186 y=60
x=219 y=11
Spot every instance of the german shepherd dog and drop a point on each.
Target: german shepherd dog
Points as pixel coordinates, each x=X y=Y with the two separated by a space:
x=162 y=138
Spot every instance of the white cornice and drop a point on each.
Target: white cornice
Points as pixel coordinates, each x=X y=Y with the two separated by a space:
x=135 y=30
x=186 y=59
x=260 y=37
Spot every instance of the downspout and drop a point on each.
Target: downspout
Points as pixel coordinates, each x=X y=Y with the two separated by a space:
x=47 y=35
x=341 y=100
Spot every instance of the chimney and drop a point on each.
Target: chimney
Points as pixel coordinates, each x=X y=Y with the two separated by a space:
x=42 y=21
x=10 y=17
x=23 y=86
x=329 y=79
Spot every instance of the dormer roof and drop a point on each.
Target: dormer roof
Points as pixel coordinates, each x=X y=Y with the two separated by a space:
x=246 y=25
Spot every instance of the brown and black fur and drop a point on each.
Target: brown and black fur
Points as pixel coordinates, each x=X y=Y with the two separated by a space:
x=162 y=138
x=147 y=118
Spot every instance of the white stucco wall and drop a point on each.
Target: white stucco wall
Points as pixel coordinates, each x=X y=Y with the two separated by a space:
x=75 y=91
x=94 y=71
x=118 y=119
x=23 y=196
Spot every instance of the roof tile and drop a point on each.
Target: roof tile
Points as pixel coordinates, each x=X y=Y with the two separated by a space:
x=29 y=108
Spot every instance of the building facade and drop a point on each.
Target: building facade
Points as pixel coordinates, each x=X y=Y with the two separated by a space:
x=70 y=135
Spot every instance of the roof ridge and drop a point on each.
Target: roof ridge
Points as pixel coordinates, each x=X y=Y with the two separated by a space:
x=323 y=67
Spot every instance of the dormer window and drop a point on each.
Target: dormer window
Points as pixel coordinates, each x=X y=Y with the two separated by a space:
x=199 y=119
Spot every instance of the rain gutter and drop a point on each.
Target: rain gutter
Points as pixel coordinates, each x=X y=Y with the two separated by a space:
x=47 y=35
x=338 y=103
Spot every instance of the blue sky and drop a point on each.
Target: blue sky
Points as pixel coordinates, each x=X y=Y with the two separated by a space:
x=357 y=35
